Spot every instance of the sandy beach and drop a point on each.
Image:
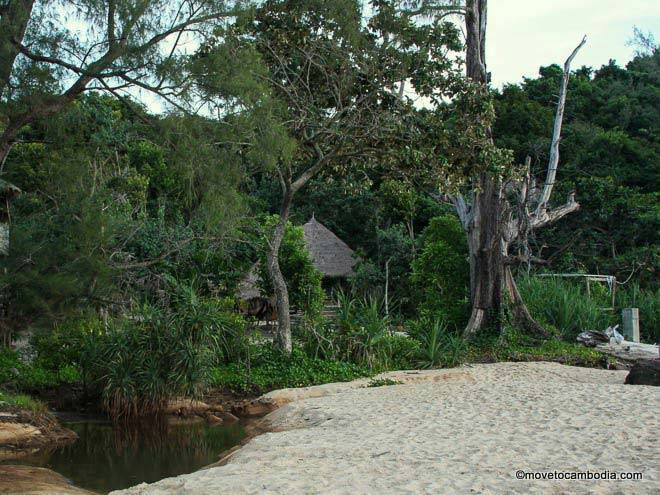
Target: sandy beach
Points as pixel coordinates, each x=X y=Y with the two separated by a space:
x=464 y=430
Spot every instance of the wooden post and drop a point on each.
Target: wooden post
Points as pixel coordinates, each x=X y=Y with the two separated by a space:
x=387 y=284
x=630 y=317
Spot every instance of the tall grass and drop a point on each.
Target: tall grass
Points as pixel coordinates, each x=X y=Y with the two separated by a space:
x=440 y=347
x=564 y=305
x=648 y=302
x=363 y=330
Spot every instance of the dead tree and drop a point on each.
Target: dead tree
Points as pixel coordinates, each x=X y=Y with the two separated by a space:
x=490 y=221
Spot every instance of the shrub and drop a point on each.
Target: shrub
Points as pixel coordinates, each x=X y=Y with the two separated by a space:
x=158 y=353
x=563 y=305
x=270 y=369
x=439 y=347
x=515 y=346
x=62 y=345
x=317 y=336
x=19 y=375
x=440 y=273
x=362 y=332
x=400 y=352
x=11 y=401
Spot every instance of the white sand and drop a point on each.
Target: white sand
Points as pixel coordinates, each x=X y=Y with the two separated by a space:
x=467 y=432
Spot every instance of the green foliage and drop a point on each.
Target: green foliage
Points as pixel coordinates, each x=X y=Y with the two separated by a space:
x=270 y=369
x=610 y=156
x=395 y=250
x=515 y=346
x=648 y=303
x=159 y=353
x=106 y=212
x=25 y=402
x=363 y=331
x=440 y=273
x=564 y=305
x=302 y=279
x=439 y=347
x=20 y=375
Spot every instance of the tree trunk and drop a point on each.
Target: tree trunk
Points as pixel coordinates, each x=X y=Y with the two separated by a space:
x=521 y=315
x=13 y=23
x=484 y=229
x=486 y=262
x=279 y=284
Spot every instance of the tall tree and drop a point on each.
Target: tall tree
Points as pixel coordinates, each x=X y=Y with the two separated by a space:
x=46 y=61
x=332 y=80
x=499 y=208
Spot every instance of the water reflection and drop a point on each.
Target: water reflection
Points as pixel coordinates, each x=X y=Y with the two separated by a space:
x=107 y=458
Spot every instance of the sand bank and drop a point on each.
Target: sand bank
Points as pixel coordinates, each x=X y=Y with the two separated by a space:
x=467 y=430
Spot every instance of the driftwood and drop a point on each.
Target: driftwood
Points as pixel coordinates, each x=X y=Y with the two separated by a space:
x=608 y=343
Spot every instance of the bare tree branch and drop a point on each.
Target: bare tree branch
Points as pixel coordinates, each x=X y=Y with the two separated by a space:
x=553 y=161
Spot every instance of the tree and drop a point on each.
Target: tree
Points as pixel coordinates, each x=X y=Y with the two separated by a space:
x=44 y=65
x=492 y=222
x=117 y=202
x=330 y=81
x=610 y=158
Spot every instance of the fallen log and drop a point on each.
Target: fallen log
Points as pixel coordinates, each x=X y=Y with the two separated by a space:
x=612 y=343
x=629 y=351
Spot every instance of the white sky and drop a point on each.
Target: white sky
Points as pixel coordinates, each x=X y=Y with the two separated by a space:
x=523 y=35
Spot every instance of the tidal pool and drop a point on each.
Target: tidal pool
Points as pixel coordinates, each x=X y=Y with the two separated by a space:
x=107 y=457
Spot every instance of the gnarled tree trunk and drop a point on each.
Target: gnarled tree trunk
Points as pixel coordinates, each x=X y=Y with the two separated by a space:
x=279 y=284
x=486 y=267
x=489 y=230
x=484 y=227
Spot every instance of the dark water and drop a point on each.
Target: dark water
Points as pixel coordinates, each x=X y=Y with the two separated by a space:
x=107 y=458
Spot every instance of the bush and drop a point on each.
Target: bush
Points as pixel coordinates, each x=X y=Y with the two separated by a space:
x=438 y=346
x=270 y=369
x=159 y=353
x=563 y=305
x=441 y=273
x=515 y=346
x=62 y=346
x=16 y=374
x=11 y=401
x=363 y=331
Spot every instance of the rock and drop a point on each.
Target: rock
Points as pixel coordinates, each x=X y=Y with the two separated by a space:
x=227 y=417
x=646 y=372
x=213 y=419
x=186 y=407
x=18 y=433
x=23 y=432
x=28 y=480
x=254 y=408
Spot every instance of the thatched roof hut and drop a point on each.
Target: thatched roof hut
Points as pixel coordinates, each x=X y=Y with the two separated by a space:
x=330 y=255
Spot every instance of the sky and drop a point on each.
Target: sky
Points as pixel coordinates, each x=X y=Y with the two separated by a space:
x=523 y=35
